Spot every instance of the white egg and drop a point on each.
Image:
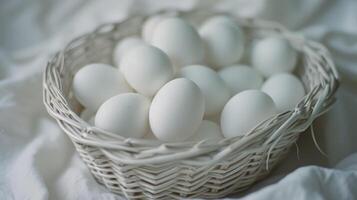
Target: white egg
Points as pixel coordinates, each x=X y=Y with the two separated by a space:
x=241 y=77
x=285 y=89
x=215 y=91
x=244 y=111
x=208 y=130
x=273 y=55
x=95 y=83
x=179 y=40
x=177 y=110
x=125 y=45
x=146 y=68
x=125 y=114
x=149 y=27
x=223 y=41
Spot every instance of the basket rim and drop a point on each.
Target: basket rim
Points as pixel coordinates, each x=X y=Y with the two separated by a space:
x=317 y=101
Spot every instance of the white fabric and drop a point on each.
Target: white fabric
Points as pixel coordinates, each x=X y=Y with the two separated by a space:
x=37 y=161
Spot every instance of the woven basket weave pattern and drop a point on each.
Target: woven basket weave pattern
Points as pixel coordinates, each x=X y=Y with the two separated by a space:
x=139 y=168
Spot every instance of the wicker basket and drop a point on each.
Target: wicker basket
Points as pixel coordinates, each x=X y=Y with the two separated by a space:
x=143 y=168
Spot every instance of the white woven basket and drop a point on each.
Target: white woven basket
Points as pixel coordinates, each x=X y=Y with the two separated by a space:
x=139 y=168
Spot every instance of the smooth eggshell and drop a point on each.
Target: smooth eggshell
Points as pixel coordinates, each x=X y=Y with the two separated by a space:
x=149 y=27
x=244 y=111
x=177 y=110
x=285 y=89
x=241 y=77
x=124 y=46
x=146 y=68
x=215 y=91
x=208 y=130
x=95 y=83
x=125 y=114
x=273 y=55
x=179 y=40
x=223 y=41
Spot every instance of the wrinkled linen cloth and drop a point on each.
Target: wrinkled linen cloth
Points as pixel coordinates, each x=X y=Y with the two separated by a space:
x=38 y=161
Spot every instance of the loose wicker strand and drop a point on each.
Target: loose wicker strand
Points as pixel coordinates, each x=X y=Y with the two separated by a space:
x=315 y=141
x=297 y=150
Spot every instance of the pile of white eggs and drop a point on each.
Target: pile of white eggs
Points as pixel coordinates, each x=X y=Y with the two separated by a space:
x=183 y=83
